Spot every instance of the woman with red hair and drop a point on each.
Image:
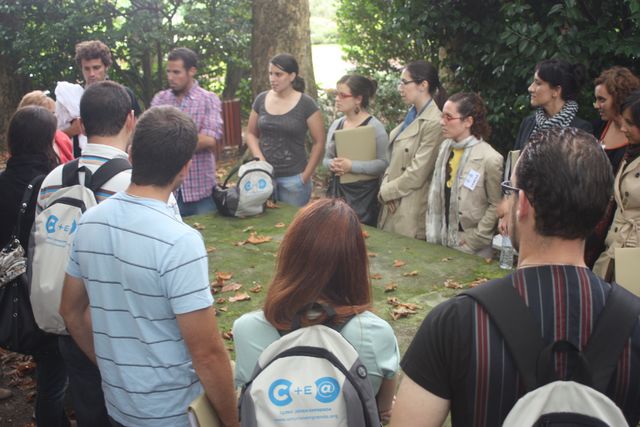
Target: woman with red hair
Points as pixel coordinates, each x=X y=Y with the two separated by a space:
x=326 y=268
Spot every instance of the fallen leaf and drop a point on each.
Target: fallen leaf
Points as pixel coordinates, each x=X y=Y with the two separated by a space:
x=272 y=205
x=227 y=335
x=411 y=274
x=401 y=311
x=255 y=289
x=254 y=239
x=221 y=276
x=211 y=249
x=239 y=243
x=376 y=276
x=478 y=282
x=249 y=228
x=365 y=234
x=398 y=263
x=221 y=300
x=214 y=290
x=198 y=226
x=391 y=287
x=488 y=260
x=452 y=284
x=372 y=254
x=447 y=259
x=224 y=309
x=240 y=296
x=231 y=288
x=393 y=301
x=279 y=225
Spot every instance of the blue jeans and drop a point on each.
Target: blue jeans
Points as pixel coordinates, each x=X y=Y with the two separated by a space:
x=291 y=190
x=86 y=385
x=51 y=377
x=202 y=206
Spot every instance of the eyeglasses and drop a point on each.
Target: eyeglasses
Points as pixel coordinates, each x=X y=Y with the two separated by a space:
x=508 y=188
x=342 y=95
x=404 y=82
x=448 y=117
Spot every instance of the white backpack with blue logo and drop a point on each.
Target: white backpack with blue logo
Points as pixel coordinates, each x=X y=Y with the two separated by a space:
x=248 y=197
x=53 y=233
x=312 y=377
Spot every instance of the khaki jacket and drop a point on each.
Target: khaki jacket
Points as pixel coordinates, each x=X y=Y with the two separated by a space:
x=625 y=229
x=477 y=207
x=406 y=181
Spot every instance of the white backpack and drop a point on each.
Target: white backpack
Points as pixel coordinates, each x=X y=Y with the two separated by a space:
x=551 y=402
x=248 y=197
x=53 y=233
x=312 y=377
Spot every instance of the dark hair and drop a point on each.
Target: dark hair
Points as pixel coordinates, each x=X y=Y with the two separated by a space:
x=341 y=279
x=620 y=82
x=163 y=142
x=567 y=177
x=30 y=133
x=93 y=49
x=104 y=107
x=360 y=86
x=188 y=57
x=632 y=103
x=558 y=72
x=287 y=63
x=421 y=71
x=471 y=104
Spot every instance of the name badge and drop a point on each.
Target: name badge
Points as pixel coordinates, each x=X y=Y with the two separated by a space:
x=471 y=180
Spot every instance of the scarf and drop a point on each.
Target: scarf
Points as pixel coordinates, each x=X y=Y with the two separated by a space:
x=563 y=119
x=437 y=231
x=411 y=116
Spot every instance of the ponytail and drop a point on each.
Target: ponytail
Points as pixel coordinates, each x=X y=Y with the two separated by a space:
x=425 y=71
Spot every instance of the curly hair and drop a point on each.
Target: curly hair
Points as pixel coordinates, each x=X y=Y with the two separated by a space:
x=472 y=105
x=93 y=49
x=620 y=82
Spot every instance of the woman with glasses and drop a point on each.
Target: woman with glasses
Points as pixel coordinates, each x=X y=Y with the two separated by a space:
x=625 y=229
x=413 y=149
x=277 y=131
x=465 y=188
x=353 y=95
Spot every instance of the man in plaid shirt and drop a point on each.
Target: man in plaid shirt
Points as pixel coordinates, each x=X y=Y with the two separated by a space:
x=194 y=195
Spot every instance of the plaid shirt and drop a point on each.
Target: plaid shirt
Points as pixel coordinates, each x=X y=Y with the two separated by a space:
x=206 y=111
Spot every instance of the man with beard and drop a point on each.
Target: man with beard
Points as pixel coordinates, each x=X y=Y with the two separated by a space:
x=194 y=195
x=459 y=362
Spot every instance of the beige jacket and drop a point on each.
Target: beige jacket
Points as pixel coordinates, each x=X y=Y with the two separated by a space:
x=406 y=181
x=477 y=207
x=625 y=229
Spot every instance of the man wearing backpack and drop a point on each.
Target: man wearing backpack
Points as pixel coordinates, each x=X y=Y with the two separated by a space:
x=108 y=121
x=459 y=360
x=143 y=278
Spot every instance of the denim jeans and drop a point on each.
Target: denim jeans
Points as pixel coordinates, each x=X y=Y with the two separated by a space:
x=202 y=206
x=86 y=385
x=291 y=190
x=51 y=377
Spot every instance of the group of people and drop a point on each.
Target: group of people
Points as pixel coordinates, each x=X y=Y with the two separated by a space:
x=143 y=339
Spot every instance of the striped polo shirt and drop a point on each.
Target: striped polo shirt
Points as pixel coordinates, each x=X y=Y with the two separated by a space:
x=141 y=267
x=458 y=353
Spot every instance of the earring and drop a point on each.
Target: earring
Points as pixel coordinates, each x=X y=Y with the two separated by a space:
x=357 y=110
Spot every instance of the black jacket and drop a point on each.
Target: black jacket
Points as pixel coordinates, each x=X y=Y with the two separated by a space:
x=529 y=122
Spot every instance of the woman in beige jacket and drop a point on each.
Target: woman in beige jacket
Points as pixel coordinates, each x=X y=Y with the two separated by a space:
x=412 y=152
x=625 y=229
x=465 y=188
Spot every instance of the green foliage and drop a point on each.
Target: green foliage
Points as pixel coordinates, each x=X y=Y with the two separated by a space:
x=492 y=46
x=323 y=26
x=41 y=35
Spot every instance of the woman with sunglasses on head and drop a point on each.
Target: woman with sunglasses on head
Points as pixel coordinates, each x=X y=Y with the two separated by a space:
x=413 y=150
x=353 y=95
x=332 y=270
x=465 y=188
x=625 y=229
x=277 y=131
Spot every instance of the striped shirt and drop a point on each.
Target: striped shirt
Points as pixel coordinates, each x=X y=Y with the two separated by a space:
x=459 y=355
x=141 y=267
x=206 y=111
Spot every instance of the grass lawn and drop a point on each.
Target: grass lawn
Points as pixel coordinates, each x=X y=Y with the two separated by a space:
x=419 y=281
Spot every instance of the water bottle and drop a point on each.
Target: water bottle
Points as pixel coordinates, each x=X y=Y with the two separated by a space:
x=506 y=254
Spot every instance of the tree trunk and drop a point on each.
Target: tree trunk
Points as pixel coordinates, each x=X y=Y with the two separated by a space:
x=12 y=88
x=280 y=26
x=234 y=75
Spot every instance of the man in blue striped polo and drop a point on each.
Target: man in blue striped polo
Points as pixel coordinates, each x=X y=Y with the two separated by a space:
x=136 y=297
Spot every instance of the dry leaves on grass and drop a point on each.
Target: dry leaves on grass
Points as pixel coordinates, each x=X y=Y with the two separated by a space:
x=231 y=288
x=376 y=276
x=391 y=287
x=280 y=225
x=401 y=309
x=272 y=205
x=398 y=263
x=447 y=259
x=211 y=249
x=221 y=300
x=221 y=276
x=240 y=296
x=249 y=228
x=255 y=239
x=227 y=335
x=411 y=273
x=198 y=226
x=452 y=284
x=372 y=254
x=478 y=282
x=256 y=289
x=365 y=234
x=224 y=309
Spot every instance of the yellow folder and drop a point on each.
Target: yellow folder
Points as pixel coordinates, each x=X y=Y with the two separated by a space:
x=356 y=144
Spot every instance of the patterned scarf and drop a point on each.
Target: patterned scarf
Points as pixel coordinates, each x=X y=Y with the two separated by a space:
x=437 y=231
x=563 y=119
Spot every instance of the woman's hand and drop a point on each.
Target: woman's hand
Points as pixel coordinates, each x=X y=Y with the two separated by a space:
x=391 y=205
x=340 y=166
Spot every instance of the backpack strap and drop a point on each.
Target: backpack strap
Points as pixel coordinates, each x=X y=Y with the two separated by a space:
x=24 y=204
x=107 y=171
x=514 y=321
x=612 y=330
x=70 y=173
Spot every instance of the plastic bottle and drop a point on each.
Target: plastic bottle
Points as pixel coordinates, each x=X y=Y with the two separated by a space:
x=506 y=254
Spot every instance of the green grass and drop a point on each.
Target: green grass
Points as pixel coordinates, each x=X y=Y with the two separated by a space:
x=254 y=264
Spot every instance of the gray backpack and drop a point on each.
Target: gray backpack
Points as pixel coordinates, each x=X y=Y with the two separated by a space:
x=313 y=377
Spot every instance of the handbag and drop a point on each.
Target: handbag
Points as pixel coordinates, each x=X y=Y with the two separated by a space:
x=18 y=329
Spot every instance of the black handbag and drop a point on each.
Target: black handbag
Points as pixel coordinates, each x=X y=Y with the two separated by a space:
x=18 y=329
